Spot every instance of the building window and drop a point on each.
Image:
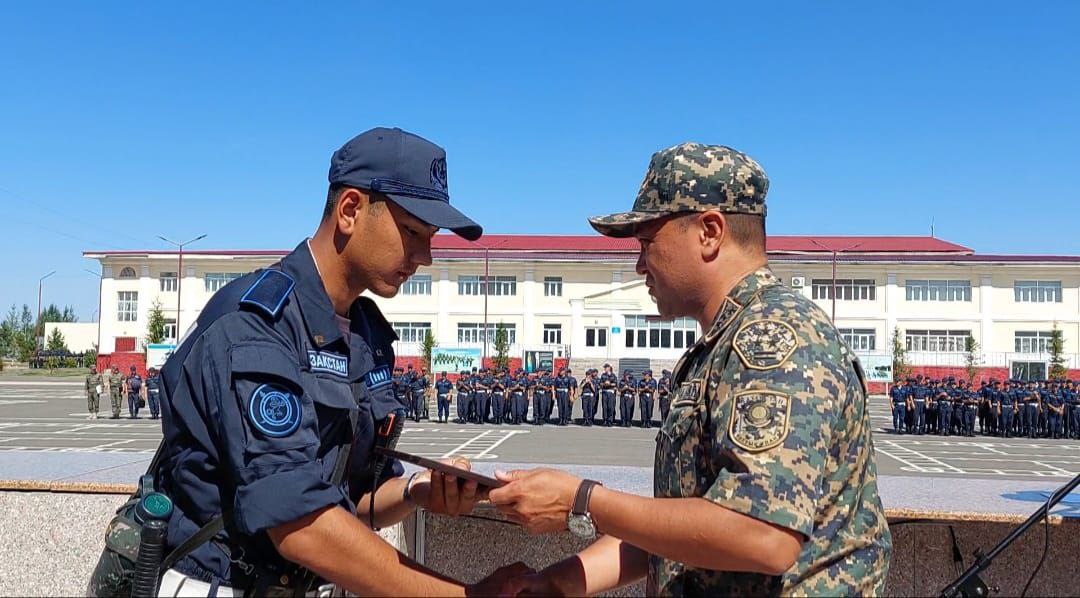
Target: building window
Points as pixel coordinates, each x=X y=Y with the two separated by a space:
x=127 y=272
x=1030 y=341
x=168 y=282
x=473 y=333
x=127 y=307
x=497 y=285
x=938 y=290
x=936 y=341
x=651 y=332
x=216 y=280
x=596 y=337
x=552 y=334
x=170 y=330
x=418 y=284
x=847 y=289
x=1037 y=291
x=553 y=286
x=411 y=332
x=860 y=339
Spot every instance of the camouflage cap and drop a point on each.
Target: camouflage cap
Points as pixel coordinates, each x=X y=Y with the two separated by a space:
x=692 y=177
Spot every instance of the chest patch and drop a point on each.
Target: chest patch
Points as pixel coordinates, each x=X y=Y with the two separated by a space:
x=760 y=419
x=274 y=410
x=378 y=377
x=765 y=344
x=331 y=363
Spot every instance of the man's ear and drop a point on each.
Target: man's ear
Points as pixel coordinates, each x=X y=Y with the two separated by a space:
x=350 y=205
x=712 y=229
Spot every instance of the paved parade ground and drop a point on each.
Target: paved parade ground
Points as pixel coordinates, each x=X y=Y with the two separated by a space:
x=39 y=416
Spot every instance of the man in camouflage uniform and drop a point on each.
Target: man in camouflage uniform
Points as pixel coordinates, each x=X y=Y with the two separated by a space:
x=764 y=476
x=116 y=391
x=93 y=393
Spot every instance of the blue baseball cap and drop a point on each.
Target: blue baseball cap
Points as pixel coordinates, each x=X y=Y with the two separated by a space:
x=408 y=169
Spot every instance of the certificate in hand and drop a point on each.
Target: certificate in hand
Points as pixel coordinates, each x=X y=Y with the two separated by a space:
x=441 y=467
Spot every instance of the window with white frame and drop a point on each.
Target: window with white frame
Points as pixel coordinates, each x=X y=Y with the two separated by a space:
x=1032 y=341
x=418 y=284
x=847 y=289
x=468 y=332
x=216 y=280
x=411 y=332
x=127 y=272
x=127 y=306
x=170 y=330
x=938 y=290
x=497 y=285
x=936 y=341
x=596 y=336
x=552 y=334
x=1037 y=291
x=860 y=339
x=651 y=332
x=168 y=282
x=553 y=286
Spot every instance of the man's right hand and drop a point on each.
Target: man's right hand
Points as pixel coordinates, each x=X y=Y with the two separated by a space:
x=501 y=581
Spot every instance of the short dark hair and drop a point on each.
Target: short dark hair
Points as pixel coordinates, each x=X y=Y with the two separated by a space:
x=333 y=194
x=746 y=230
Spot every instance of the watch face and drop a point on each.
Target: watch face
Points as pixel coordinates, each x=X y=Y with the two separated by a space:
x=581 y=526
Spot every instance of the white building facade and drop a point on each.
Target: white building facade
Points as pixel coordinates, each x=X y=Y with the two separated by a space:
x=580 y=297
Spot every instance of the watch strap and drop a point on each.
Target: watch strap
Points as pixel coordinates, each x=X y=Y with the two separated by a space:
x=581 y=499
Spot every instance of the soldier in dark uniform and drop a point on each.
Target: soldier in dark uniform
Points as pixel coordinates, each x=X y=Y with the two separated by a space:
x=463 y=397
x=483 y=395
x=1031 y=410
x=899 y=396
x=589 y=392
x=400 y=387
x=541 y=397
x=271 y=403
x=518 y=398
x=443 y=388
x=663 y=390
x=409 y=380
x=945 y=410
x=609 y=383
x=573 y=395
x=646 y=394
x=562 y=396
x=133 y=386
x=627 y=396
x=918 y=404
x=1072 y=404
x=153 y=392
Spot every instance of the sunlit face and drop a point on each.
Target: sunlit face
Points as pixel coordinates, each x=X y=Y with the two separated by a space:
x=388 y=247
x=666 y=260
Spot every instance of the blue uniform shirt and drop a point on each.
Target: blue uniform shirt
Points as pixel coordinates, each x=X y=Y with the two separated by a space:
x=257 y=409
x=443 y=386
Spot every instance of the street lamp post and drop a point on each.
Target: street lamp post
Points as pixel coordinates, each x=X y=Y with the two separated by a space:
x=835 y=253
x=39 y=284
x=179 y=274
x=100 y=276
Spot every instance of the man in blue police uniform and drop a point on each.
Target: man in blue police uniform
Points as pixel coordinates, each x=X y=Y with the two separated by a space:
x=462 y=397
x=443 y=386
x=541 y=397
x=898 y=394
x=133 y=387
x=589 y=391
x=280 y=386
x=646 y=391
x=573 y=388
x=609 y=383
x=498 y=397
x=519 y=398
x=627 y=394
x=420 y=386
x=153 y=392
x=483 y=395
x=562 y=397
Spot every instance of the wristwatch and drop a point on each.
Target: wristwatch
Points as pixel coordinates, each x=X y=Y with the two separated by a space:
x=579 y=521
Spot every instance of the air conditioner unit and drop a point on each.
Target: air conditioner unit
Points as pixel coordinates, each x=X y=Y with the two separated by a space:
x=798 y=282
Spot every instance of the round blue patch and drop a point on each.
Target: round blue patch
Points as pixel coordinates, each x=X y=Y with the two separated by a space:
x=274 y=410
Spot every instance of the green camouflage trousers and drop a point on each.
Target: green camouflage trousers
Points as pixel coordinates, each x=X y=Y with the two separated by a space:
x=115 y=396
x=93 y=402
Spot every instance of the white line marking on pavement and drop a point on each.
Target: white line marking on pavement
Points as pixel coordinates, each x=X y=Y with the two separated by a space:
x=17 y=401
x=42 y=383
x=1056 y=470
x=465 y=444
x=485 y=454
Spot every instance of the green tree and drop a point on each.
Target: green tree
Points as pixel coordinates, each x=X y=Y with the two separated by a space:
x=52 y=313
x=502 y=347
x=56 y=341
x=155 y=324
x=972 y=358
x=1057 y=354
x=427 y=348
x=900 y=367
x=18 y=330
x=90 y=357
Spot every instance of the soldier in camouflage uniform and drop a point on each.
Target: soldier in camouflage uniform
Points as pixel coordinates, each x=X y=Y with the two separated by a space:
x=765 y=465
x=116 y=391
x=93 y=394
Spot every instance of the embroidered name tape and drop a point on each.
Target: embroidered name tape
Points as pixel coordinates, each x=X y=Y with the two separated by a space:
x=331 y=363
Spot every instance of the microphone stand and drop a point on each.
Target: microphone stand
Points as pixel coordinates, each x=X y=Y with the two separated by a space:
x=968 y=584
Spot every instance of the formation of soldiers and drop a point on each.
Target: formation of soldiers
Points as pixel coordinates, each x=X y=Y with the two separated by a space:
x=497 y=396
x=117 y=387
x=1014 y=408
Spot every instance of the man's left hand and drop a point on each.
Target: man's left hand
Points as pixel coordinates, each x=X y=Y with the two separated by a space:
x=445 y=494
x=538 y=499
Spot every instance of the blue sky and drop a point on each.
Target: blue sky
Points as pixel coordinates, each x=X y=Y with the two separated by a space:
x=122 y=122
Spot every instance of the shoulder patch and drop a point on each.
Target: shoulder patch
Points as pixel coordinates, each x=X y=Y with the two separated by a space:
x=274 y=410
x=269 y=291
x=765 y=344
x=760 y=419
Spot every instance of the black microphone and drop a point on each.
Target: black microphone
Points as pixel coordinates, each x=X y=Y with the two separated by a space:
x=387 y=433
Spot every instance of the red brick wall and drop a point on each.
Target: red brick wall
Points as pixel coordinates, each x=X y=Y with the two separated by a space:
x=123 y=360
